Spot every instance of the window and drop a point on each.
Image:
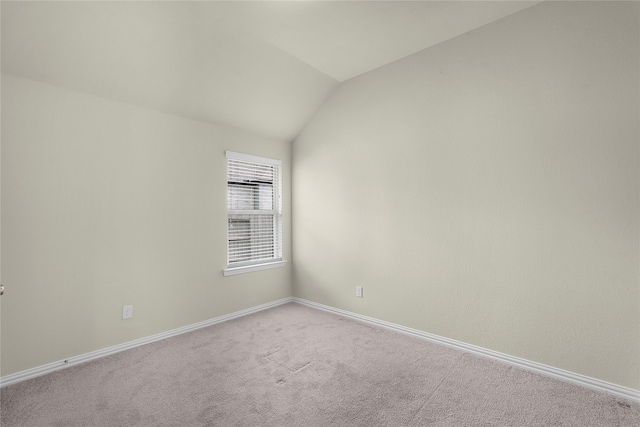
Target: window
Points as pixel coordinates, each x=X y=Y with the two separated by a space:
x=254 y=213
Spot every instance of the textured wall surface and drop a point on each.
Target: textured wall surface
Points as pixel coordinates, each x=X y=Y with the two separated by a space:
x=105 y=205
x=487 y=190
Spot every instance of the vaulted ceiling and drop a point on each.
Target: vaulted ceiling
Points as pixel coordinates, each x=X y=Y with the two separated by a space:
x=262 y=66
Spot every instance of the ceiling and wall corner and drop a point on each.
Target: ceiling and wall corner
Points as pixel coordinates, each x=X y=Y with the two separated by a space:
x=491 y=182
x=264 y=67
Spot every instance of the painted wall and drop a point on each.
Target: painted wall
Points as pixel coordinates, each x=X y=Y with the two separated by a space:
x=106 y=204
x=487 y=190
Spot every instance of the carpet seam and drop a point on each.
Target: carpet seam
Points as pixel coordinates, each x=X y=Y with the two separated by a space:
x=453 y=369
x=286 y=367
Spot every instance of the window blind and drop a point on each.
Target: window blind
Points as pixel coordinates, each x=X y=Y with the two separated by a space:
x=254 y=209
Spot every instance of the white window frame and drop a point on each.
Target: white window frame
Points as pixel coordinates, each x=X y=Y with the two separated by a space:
x=261 y=264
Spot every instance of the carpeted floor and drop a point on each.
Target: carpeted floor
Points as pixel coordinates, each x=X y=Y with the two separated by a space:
x=293 y=365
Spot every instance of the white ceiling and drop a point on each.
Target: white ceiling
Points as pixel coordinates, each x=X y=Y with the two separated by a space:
x=263 y=66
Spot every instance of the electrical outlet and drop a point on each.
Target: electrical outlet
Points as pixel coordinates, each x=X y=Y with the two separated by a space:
x=359 y=291
x=127 y=312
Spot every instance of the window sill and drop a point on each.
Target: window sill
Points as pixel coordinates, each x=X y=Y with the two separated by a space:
x=254 y=267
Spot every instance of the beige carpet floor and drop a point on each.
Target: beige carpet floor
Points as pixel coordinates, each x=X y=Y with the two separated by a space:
x=293 y=365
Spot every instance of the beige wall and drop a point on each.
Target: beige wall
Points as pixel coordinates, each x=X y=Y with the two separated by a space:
x=105 y=205
x=487 y=190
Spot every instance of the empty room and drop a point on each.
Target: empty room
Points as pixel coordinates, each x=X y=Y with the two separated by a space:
x=320 y=213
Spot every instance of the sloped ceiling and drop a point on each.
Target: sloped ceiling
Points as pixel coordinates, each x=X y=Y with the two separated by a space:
x=264 y=67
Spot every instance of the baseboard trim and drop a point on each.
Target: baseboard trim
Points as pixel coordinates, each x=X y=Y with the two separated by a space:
x=71 y=361
x=561 y=374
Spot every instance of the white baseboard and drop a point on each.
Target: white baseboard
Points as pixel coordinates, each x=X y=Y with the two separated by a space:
x=71 y=361
x=561 y=374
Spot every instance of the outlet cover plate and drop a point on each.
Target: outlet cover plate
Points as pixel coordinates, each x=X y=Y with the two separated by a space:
x=127 y=312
